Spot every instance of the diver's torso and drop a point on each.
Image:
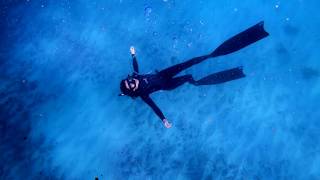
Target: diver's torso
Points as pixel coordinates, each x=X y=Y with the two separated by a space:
x=149 y=83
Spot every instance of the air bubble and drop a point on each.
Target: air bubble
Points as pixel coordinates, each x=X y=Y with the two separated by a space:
x=147 y=11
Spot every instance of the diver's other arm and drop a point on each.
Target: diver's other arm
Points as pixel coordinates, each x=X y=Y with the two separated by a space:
x=156 y=109
x=135 y=62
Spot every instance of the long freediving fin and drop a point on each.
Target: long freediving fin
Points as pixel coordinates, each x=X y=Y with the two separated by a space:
x=241 y=40
x=221 y=77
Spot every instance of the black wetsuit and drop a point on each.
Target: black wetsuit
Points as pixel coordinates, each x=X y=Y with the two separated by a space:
x=163 y=80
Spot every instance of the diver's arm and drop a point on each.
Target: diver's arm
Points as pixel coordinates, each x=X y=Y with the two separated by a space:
x=135 y=62
x=156 y=109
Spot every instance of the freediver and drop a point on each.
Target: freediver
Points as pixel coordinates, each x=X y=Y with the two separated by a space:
x=142 y=85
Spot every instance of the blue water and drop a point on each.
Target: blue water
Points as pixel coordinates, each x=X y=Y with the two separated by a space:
x=61 y=62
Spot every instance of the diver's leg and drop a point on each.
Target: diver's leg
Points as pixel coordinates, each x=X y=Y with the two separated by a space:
x=175 y=69
x=235 y=43
x=212 y=79
x=178 y=81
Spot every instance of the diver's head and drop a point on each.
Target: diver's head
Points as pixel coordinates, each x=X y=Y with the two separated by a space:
x=127 y=86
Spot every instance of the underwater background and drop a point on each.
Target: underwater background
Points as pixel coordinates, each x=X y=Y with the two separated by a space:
x=61 y=62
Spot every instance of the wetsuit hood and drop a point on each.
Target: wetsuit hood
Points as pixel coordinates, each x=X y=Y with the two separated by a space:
x=125 y=90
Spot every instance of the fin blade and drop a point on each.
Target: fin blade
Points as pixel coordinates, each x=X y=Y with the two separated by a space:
x=241 y=40
x=222 y=77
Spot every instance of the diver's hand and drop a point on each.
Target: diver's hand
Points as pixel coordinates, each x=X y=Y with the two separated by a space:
x=132 y=51
x=166 y=123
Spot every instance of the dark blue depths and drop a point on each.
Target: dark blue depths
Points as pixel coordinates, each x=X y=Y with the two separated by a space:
x=60 y=67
